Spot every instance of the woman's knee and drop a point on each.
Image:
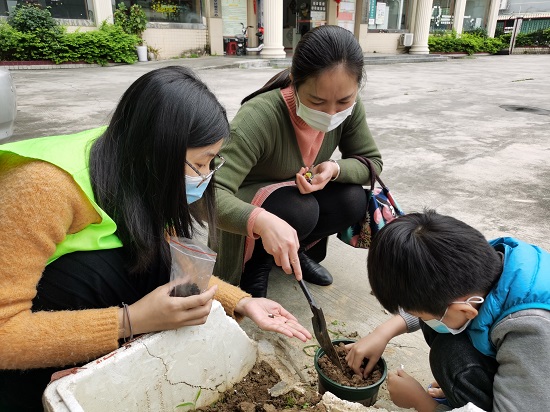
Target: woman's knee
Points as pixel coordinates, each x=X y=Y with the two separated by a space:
x=298 y=210
x=348 y=200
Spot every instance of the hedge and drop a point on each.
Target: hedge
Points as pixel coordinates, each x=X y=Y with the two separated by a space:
x=31 y=33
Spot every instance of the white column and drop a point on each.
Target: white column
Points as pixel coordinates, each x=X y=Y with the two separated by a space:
x=493 y=17
x=422 y=27
x=458 y=19
x=103 y=11
x=273 y=30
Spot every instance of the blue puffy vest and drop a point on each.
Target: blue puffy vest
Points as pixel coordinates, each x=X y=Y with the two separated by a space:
x=524 y=284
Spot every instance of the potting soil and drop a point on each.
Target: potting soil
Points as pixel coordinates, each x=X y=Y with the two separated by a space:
x=347 y=377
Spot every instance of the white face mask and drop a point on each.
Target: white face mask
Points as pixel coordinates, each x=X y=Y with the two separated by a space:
x=440 y=327
x=321 y=121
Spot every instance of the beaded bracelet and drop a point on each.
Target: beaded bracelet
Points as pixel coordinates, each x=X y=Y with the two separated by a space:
x=126 y=315
x=338 y=173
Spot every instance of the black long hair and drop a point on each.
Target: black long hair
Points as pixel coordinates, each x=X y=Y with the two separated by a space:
x=320 y=49
x=137 y=166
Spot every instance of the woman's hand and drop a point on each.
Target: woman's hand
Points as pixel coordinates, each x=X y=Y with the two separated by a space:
x=321 y=175
x=279 y=240
x=271 y=316
x=371 y=346
x=158 y=310
x=407 y=392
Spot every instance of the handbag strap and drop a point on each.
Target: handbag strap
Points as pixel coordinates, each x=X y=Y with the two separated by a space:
x=373 y=175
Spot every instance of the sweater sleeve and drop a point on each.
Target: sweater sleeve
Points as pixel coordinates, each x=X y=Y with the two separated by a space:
x=413 y=324
x=251 y=130
x=521 y=341
x=228 y=295
x=39 y=205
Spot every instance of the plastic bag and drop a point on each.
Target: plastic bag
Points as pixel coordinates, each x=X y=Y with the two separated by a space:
x=192 y=265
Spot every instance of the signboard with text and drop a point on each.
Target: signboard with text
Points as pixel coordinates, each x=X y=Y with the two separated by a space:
x=233 y=14
x=372 y=11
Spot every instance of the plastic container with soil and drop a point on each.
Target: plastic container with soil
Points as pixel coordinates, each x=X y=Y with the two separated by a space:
x=365 y=395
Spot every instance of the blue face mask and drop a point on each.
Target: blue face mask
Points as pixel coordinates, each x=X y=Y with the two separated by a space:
x=440 y=327
x=192 y=189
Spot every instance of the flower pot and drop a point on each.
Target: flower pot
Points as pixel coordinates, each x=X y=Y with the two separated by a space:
x=365 y=395
x=142 y=53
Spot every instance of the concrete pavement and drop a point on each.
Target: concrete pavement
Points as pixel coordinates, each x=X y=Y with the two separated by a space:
x=450 y=137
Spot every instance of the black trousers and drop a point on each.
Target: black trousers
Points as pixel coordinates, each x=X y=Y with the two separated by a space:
x=316 y=215
x=463 y=373
x=80 y=280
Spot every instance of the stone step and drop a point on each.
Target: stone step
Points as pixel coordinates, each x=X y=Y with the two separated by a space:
x=404 y=58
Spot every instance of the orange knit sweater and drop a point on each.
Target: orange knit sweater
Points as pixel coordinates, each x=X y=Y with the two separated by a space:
x=39 y=205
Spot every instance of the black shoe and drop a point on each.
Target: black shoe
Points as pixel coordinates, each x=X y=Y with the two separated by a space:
x=255 y=278
x=313 y=272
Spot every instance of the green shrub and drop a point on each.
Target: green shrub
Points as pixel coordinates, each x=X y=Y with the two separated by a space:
x=479 y=32
x=28 y=18
x=107 y=44
x=493 y=45
x=469 y=43
x=539 y=38
x=132 y=21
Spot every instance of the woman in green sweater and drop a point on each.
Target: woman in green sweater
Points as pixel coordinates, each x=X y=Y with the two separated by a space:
x=282 y=194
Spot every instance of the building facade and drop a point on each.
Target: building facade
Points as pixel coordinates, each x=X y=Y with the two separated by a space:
x=177 y=26
x=534 y=15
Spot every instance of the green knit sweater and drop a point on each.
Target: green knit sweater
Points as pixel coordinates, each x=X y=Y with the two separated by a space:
x=263 y=150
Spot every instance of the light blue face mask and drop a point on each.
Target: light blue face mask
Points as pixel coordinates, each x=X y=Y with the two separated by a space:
x=193 y=187
x=440 y=327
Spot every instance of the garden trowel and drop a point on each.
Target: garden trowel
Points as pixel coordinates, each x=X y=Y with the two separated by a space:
x=320 y=327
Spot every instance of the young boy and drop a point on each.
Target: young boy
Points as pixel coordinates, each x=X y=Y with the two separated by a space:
x=484 y=309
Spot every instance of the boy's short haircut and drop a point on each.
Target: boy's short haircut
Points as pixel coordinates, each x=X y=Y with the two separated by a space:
x=424 y=261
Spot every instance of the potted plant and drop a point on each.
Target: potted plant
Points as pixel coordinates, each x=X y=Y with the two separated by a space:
x=152 y=52
x=365 y=392
x=133 y=21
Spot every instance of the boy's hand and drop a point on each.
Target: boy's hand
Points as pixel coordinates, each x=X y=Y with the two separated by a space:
x=435 y=391
x=407 y=392
x=371 y=346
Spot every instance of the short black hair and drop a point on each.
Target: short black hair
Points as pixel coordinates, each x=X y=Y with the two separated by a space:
x=424 y=261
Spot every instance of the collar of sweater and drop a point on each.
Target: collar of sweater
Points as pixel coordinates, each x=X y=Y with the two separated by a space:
x=309 y=140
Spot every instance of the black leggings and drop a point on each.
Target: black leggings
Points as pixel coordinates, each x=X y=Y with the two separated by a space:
x=316 y=215
x=463 y=373
x=80 y=280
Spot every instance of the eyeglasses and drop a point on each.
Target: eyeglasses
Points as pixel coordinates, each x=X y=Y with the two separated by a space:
x=212 y=171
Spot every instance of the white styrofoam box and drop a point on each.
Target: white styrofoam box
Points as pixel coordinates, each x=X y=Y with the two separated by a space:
x=159 y=371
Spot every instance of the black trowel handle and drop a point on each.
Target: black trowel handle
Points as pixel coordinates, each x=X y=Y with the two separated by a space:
x=306 y=292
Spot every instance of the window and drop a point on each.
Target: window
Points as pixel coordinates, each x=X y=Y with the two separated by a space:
x=475 y=15
x=442 y=16
x=169 y=11
x=386 y=15
x=60 y=9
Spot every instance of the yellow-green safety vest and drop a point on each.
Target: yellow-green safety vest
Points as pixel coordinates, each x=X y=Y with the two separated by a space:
x=71 y=153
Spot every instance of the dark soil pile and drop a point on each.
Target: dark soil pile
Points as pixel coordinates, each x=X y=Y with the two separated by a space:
x=252 y=395
x=347 y=377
